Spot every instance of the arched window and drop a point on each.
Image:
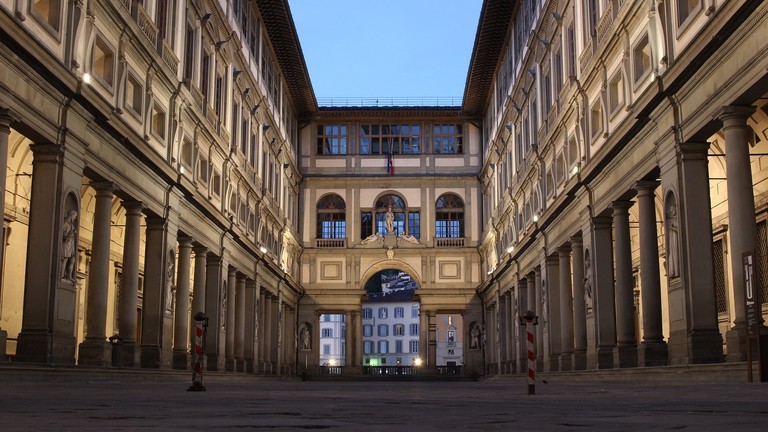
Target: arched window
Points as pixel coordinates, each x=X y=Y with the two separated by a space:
x=449 y=217
x=405 y=221
x=331 y=217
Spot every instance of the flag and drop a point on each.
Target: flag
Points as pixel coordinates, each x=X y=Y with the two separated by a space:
x=390 y=162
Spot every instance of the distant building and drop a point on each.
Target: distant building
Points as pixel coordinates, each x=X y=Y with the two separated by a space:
x=391 y=329
x=333 y=330
x=450 y=344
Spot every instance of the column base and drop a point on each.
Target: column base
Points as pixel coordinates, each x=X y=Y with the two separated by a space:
x=554 y=362
x=240 y=365
x=580 y=360
x=181 y=359
x=211 y=362
x=3 y=341
x=229 y=364
x=42 y=347
x=566 y=362
x=249 y=365
x=736 y=343
x=539 y=364
x=705 y=346
x=95 y=352
x=625 y=356
x=131 y=355
x=151 y=357
x=651 y=354
x=604 y=357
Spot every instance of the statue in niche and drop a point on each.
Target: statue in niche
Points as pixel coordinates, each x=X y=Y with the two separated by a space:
x=543 y=302
x=587 y=282
x=673 y=246
x=223 y=309
x=170 y=287
x=389 y=221
x=69 y=246
x=474 y=337
x=305 y=337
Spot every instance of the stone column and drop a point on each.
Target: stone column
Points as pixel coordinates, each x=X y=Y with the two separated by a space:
x=154 y=285
x=579 y=308
x=349 y=360
x=742 y=231
x=603 y=304
x=357 y=341
x=509 y=330
x=198 y=289
x=230 y=319
x=566 y=309
x=535 y=279
x=551 y=312
x=653 y=349
x=626 y=351
x=181 y=358
x=423 y=338
x=129 y=286
x=239 y=329
x=50 y=297
x=250 y=324
x=6 y=117
x=260 y=327
x=95 y=350
x=214 y=270
x=694 y=334
x=432 y=353
x=268 y=326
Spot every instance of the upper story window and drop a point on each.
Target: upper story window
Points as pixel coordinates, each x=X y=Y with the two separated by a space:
x=49 y=11
x=641 y=59
x=449 y=217
x=686 y=8
x=134 y=95
x=448 y=139
x=331 y=217
x=390 y=138
x=164 y=13
x=398 y=330
x=383 y=330
x=596 y=120
x=415 y=311
x=383 y=313
x=187 y=153
x=367 y=313
x=399 y=312
x=615 y=93
x=327 y=333
x=331 y=139
x=158 y=121
x=103 y=62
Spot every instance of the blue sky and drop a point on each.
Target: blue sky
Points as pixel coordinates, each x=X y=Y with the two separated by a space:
x=387 y=48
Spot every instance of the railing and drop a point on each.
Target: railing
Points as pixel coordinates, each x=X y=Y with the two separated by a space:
x=439 y=101
x=126 y=4
x=211 y=116
x=605 y=23
x=169 y=57
x=331 y=370
x=196 y=95
x=389 y=370
x=457 y=370
x=331 y=243
x=450 y=242
x=586 y=55
x=146 y=25
x=223 y=133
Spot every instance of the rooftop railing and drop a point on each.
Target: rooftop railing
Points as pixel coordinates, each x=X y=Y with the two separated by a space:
x=433 y=101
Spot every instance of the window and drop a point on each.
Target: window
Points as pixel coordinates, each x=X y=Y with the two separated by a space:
x=367 y=313
x=414 y=330
x=219 y=96
x=326 y=349
x=414 y=346
x=205 y=78
x=158 y=121
x=383 y=348
x=367 y=330
x=399 y=312
x=331 y=217
x=103 y=62
x=571 y=52
x=414 y=224
x=641 y=59
x=134 y=95
x=615 y=94
x=383 y=330
x=596 y=120
x=189 y=52
x=449 y=217
x=685 y=8
x=366 y=224
x=49 y=11
x=386 y=138
x=186 y=154
x=450 y=336
x=331 y=139
x=367 y=347
x=326 y=333
x=202 y=169
x=383 y=313
x=164 y=18
x=397 y=205
x=415 y=311
x=447 y=138
x=398 y=330
x=398 y=347
x=216 y=180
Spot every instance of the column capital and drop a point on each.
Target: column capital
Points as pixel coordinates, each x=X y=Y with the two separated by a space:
x=132 y=208
x=184 y=241
x=576 y=241
x=644 y=187
x=155 y=223
x=621 y=207
x=564 y=251
x=530 y=276
x=7 y=116
x=692 y=150
x=232 y=272
x=46 y=152
x=601 y=222
x=103 y=187
x=199 y=249
x=735 y=116
x=241 y=277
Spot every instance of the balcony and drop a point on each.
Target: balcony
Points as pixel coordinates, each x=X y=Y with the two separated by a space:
x=331 y=243
x=145 y=24
x=450 y=242
x=169 y=57
x=605 y=23
x=585 y=55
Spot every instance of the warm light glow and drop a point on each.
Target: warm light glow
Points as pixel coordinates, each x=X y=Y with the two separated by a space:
x=535 y=218
x=575 y=170
x=263 y=249
x=417 y=362
x=87 y=78
x=331 y=362
x=510 y=249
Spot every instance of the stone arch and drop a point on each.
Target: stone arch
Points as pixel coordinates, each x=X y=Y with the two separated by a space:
x=392 y=264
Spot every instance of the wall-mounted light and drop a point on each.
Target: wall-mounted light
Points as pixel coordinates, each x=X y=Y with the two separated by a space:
x=87 y=78
x=263 y=249
x=510 y=249
x=536 y=217
x=575 y=169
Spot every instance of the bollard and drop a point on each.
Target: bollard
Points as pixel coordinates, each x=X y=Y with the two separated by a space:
x=201 y=329
x=530 y=319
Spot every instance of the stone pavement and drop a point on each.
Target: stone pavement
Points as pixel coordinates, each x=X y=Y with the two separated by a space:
x=103 y=402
